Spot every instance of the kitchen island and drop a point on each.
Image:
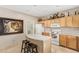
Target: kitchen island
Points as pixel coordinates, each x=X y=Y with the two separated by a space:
x=43 y=42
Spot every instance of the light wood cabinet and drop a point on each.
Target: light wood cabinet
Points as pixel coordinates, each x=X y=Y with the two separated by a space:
x=62 y=22
x=62 y=40
x=57 y=20
x=69 y=41
x=78 y=43
x=72 y=42
x=52 y=21
x=76 y=21
x=42 y=22
x=47 y=23
x=69 y=21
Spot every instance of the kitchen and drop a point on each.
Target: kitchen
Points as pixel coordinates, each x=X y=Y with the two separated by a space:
x=63 y=29
x=46 y=29
x=54 y=29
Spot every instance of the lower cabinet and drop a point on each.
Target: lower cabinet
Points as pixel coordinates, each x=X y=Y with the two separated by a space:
x=72 y=42
x=78 y=43
x=62 y=40
x=69 y=41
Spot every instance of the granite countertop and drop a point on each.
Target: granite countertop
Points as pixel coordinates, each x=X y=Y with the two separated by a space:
x=38 y=37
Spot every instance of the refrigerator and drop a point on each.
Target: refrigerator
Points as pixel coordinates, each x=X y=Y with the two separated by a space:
x=39 y=29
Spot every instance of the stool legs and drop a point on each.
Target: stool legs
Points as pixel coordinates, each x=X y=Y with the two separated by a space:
x=22 y=46
x=28 y=47
x=36 y=50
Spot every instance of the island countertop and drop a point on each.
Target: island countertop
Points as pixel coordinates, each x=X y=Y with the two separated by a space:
x=38 y=37
x=43 y=42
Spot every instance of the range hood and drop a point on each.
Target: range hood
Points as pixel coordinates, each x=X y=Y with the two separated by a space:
x=55 y=25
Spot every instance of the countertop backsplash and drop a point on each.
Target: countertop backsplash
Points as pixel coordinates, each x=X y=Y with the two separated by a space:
x=70 y=31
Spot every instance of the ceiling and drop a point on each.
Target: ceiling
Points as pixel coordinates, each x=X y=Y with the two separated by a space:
x=38 y=10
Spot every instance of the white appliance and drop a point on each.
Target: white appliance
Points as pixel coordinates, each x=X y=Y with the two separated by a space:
x=56 y=30
x=39 y=29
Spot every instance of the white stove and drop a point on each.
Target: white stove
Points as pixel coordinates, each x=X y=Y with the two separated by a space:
x=55 y=36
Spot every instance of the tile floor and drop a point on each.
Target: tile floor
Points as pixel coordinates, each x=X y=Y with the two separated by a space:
x=12 y=49
x=59 y=49
x=54 y=49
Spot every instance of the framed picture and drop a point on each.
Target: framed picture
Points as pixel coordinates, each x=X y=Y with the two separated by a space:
x=10 y=26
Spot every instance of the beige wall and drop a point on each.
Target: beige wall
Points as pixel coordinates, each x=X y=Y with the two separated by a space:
x=10 y=40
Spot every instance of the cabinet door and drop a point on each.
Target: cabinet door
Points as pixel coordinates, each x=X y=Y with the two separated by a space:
x=71 y=42
x=78 y=43
x=69 y=21
x=57 y=20
x=47 y=23
x=44 y=23
x=62 y=40
x=52 y=21
x=62 y=22
x=76 y=21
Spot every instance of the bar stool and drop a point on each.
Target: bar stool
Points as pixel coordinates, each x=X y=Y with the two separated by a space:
x=32 y=48
x=24 y=45
x=28 y=47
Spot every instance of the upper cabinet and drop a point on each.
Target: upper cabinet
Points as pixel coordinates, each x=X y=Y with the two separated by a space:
x=72 y=21
x=69 y=21
x=52 y=21
x=47 y=23
x=57 y=20
x=62 y=21
x=42 y=22
x=76 y=21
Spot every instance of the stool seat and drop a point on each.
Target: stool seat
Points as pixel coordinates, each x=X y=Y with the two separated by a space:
x=32 y=45
x=33 y=48
x=26 y=41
